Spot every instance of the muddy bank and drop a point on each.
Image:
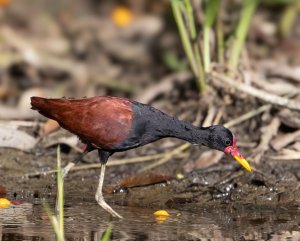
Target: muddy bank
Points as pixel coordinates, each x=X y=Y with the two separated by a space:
x=222 y=201
x=272 y=185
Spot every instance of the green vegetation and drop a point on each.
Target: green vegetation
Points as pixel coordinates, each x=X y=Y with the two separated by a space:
x=187 y=31
x=249 y=7
x=199 y=55
x=211 y=11
x=58 y=221
x=200 y=58
x=288 y=18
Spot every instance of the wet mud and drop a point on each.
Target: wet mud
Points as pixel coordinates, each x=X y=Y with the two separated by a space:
x=222 y=201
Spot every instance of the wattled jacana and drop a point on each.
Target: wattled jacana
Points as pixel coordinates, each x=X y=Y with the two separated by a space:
x=111 y=124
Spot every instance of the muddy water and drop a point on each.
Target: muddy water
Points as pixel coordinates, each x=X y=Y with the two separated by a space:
x=244 y=207
x=85 y=221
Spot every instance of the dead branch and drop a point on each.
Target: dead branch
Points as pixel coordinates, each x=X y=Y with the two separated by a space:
x=250 y=90
x=267 y=134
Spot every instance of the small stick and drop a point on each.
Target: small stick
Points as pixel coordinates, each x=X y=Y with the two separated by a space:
x=263 y=95
x=98 y=165
x=210 y=116
x=268 y=132
x=247 y=116
x=167 y=157
x=288 y=157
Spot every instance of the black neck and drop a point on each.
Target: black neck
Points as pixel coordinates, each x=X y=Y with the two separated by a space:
x=185 y=131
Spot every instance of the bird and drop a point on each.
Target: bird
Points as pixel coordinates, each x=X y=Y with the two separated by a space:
x=113 y=124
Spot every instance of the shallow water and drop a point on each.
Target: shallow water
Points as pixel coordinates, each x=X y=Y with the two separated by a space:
x=87 y=221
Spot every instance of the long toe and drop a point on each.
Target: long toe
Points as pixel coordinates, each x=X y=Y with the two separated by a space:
x=106 y=207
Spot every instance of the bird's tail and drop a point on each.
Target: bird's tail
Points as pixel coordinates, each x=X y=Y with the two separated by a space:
x=47 y=107
x=38 y=103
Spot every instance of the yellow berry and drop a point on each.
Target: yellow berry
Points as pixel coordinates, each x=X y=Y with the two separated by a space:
x=4 y=203
x=161 y=213
x=122 y=16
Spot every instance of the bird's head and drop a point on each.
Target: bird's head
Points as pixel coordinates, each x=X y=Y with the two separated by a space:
x=220 y=138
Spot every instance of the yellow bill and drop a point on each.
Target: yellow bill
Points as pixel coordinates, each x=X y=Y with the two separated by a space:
x=243 y=162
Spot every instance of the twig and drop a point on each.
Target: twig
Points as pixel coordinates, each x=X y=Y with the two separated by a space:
x=167 y=157
x=218 y=117
x=98 y=165
x=288 y=157
x=265 y=96
x=248 y=115
x=210 y=116
x=266 y=137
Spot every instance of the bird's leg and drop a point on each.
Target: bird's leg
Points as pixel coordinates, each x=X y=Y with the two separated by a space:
x=70 y=165
x=104 y=155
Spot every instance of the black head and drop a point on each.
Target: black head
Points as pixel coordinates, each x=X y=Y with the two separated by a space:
x=220 y=138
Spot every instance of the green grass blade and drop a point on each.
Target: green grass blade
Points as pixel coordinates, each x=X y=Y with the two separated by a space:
x=54 y=223
x=184 y=35
x=188 y=36
x=288 y=18
x=107 y=234
x=220 y=38
x=191 y=20
x=193 y=34
x=249 y=7
x=60 y=190
x=201 y=74
x=211 y=10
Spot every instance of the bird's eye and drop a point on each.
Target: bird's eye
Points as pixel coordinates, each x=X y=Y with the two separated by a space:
x=227 y=142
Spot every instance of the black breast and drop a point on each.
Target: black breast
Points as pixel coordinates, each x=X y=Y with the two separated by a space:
x=148 y=126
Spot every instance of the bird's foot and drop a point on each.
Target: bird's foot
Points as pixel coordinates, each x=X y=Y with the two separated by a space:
x=105 y=206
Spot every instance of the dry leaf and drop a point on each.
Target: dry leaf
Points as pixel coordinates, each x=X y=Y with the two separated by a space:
x=141 y=179
x=17 y=139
